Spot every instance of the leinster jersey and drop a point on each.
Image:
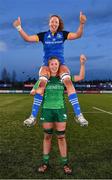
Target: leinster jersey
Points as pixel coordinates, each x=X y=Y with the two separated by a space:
x=53 y=45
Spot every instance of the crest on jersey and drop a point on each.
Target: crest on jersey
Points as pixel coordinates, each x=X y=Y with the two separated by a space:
x=59 y=35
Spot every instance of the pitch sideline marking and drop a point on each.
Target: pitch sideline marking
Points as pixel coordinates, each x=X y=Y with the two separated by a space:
x=102 y=110
x=86 y=112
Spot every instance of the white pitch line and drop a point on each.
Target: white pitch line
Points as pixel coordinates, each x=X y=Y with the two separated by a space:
x=87 y=112
x=102 y=110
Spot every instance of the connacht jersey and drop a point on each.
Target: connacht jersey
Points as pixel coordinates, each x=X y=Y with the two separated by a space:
x=53 y=45
x=54 y=94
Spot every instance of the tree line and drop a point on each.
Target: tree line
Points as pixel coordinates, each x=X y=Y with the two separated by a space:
x=6 y=77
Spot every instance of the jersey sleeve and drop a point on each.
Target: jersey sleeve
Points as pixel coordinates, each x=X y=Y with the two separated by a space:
x=65 y=34
x=41 y=36
x=72 y=79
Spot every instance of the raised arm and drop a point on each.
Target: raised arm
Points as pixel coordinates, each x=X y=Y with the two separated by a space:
x=81 y=75
x=24 y=35
x=79 y=32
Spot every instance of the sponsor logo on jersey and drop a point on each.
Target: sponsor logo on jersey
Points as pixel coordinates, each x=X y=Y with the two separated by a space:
x=64 y=116
x=53 y=42
x=42 y=119
x=49 y=36
x=54 y=87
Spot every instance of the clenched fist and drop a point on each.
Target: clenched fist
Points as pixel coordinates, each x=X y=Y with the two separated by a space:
x=82 y=58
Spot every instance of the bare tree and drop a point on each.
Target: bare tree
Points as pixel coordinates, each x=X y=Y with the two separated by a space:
x=5 y=75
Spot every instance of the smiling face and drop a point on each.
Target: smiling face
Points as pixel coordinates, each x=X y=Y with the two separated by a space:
x=54 y=66
x=53 y=24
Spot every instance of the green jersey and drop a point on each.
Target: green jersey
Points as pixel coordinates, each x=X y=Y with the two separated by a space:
x=54 y=94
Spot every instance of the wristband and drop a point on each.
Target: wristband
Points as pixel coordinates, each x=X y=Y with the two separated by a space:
x=18 y=27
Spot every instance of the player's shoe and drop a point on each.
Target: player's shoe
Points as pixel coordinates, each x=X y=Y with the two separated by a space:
x=81 y=120
x=31 y=121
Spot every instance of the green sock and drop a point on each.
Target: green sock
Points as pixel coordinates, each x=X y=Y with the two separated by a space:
x=46 y=158
x=64 y=160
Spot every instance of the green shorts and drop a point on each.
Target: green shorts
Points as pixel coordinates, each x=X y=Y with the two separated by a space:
x=53 y=115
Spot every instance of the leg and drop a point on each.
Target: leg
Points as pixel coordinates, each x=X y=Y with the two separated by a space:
x=60 y=131
x=35 y=108
x=48 y=130
x=44 y=75
x=60 y=127
x=38 y=91
x=40 y=88
x=65 y=76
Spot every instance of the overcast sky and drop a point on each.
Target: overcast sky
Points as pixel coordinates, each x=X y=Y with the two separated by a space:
x=96 y=42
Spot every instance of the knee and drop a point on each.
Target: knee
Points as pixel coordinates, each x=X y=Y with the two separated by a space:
x=33 y=92
x=47 y=137
x=61 y=138
x=42 y=84
x=67 y=81
x=68 y=84
x=48 y=134
x=41 y=88
x=60 y=135
x=64 y=73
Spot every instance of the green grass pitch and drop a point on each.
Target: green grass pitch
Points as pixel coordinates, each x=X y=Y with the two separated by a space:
x=89 y=148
